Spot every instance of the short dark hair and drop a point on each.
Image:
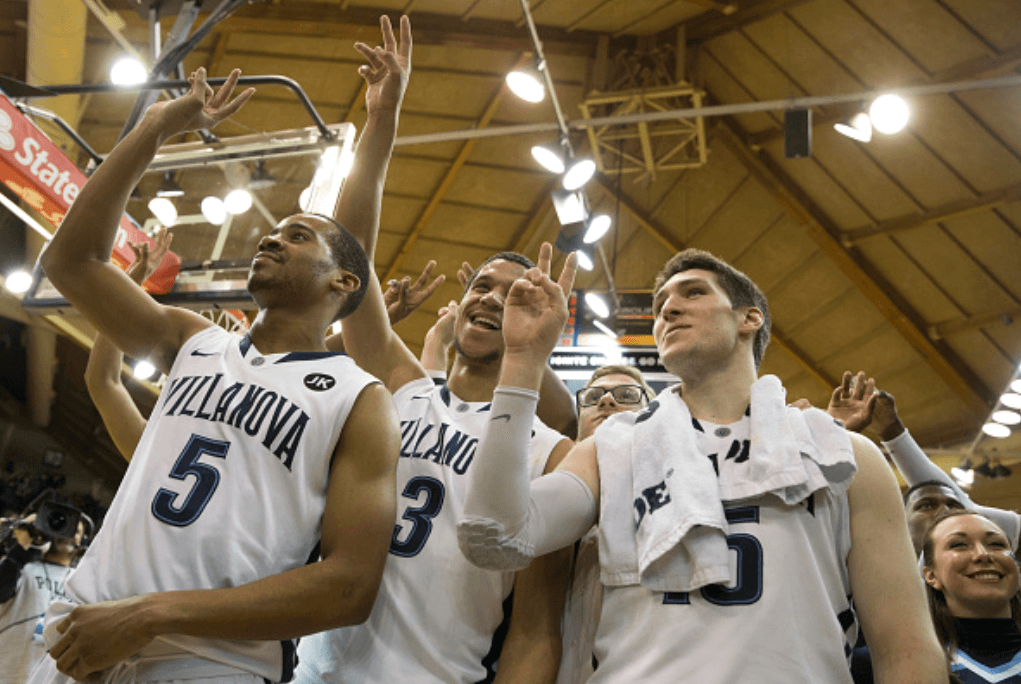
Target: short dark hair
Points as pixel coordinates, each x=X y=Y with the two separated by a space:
x=349 y=255
x=739 y=288
x=630 y=371
x=505 y=256
x=926 y=483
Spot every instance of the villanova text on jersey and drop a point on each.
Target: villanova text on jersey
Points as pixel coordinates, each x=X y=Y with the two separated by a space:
x=455 y=450
x=247 y=407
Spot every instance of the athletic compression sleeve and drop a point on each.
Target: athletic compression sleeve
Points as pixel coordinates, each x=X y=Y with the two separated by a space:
x=508 y=520
x=916 y=467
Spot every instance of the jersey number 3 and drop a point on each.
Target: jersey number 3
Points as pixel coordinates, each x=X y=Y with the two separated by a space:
x=207 y=478
x=420 y=516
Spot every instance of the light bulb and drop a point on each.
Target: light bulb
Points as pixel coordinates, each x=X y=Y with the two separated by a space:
x=996 y=430
x=596 y=303
x=548 y=159
x=214 y=211
x=584 y=261
x=859 y=127
x=1007 y=417
x=164 y=211
x=238 y=201
x=579 y=173
x=128 y=71
x=889 y=114
x=18 y=281
x=598 y=226
x=144 y=370
x=1011 y=400
x=525 y=83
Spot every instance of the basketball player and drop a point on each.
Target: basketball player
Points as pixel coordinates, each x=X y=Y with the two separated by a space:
x=436 y=616
x=782 y=613
x=260 y=448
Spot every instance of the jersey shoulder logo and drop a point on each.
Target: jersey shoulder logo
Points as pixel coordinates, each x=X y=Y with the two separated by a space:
x=319 y=382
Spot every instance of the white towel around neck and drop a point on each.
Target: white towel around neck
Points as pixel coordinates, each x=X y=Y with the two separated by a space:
x=662 y=521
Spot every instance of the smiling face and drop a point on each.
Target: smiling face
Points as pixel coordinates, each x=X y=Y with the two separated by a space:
x=478 y=332
x=972 y=565
x=591 y=417
x=696 y=324
x=924 y=505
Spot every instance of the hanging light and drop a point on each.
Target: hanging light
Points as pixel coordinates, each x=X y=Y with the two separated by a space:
x=144 y=370
x=596 y=228
x=858 y=127
x=1007 y=417
x=18 y=281
x=164 y=210
x=128 y=71
x=261 y=178
x=526 y=83
x=579 y=172
x=549 y=158
x=214 y=211
x=596 y=304
x=1011 y=400
x=584 y=261
x=889 y=114
x=238 y=201
x=169 y=187
x=996 y=430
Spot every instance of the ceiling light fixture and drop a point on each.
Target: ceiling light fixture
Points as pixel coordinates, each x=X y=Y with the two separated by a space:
x=1007 y=417
x=128 y=71
x=579 y=172
x=1011 y=400
x=597 y=305
x=596 y=227
x=164 y=211
x=169 y=187
x=549 y=158
x=214 y=211
x=526 y=83
x=18 y=281
x=144 y=370
x=857 y=127
x=584 y=261
x=238 y=201
x=889 y=114
x=996 y=430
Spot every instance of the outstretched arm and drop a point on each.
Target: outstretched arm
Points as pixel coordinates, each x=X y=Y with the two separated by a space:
x=368 y=337
x=508 y=520
x=123 y=421
x=77 y=260
x=887 y=588
x=337 y=591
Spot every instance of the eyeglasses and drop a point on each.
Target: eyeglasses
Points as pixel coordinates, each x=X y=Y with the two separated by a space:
x=622 y=394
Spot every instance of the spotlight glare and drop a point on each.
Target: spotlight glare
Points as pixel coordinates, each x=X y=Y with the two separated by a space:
x=1016 y=386
x=858 y=127
x=525 y=83
x=996 y=430
x=607 y=330
x=584 y=261
x=128 y=71
x=144 y=370
x=579 y=173
x=1011 y=400
x=598 y=226
x=238 y=201
x=596 y=304
x=214 y=211
x=305 y=198
x=18 y=281
x=889 y=114
x=1007 y=417
x=164 y=211
x=548 y=159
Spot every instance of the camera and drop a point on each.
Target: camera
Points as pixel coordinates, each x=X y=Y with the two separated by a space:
x=57 y=520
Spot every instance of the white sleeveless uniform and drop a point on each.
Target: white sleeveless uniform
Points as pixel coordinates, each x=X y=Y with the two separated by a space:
x=788 y=618
x=227 y=486
x=21 y=619
x=436 y=614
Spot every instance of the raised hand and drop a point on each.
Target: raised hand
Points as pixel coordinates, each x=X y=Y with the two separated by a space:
x=386 y=75
x=885 y=421
x=201 y=107
x=146 y=262
x=536 y=308
x=464 y=274
x=402 y=297
x=853 y=405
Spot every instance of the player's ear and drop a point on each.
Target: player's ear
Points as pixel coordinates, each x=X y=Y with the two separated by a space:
x=345 y=282
x=753 y=320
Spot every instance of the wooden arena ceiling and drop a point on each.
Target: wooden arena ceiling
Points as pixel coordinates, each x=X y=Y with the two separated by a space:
x=901 y=257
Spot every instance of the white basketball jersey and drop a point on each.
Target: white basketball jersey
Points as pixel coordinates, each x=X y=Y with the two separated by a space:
x=228 y=483
x=436 y=614
x=787 y=618
x=21 y=619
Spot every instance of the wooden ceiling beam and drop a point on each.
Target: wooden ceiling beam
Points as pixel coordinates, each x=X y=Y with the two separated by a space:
x=448 y=179
x=823 y=231
x=1005 y=316
x=661 y=234
x=944 y=212
x=982 y=67
x=304 y=18
x=712 y=24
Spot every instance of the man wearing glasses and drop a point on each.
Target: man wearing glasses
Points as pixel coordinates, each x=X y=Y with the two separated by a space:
x=610 y=390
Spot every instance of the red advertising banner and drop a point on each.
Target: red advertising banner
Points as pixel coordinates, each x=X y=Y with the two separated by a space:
x=41 y=174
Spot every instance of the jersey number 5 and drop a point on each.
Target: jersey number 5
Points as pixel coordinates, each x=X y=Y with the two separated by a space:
x=207 y=478
x=420 y=516
x=749 y=567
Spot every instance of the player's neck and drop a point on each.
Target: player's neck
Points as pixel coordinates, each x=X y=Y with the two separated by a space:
x=473 y=381
x=276 y=331
x=719 y=394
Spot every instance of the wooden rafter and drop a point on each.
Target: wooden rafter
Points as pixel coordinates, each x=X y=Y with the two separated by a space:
x=448 y=179
x=712 y=24
x=823 y=231
x=662 y=234
x=979 y=320
x=944 y=212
